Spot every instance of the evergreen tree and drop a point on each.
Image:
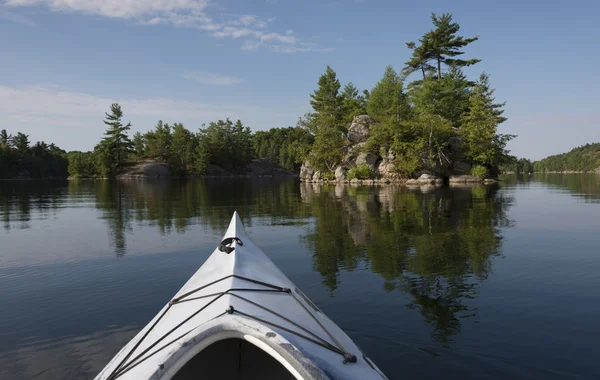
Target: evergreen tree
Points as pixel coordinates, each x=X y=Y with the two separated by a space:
x=158 y=142
x=387 y=99
x=139 y=145
x=116 y=145
x=353 y=102
x=5 y=140
x=441 y=46
x=326 y=100
x=182 y=149
x=21 y=142
x=326 y=151
x=201 y=160
x=484 y=146
x=420 y=59
x=448 y=97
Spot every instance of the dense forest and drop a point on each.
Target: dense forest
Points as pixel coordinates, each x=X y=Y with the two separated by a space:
x=441 y=121
x=583 y=158
x=18 y=159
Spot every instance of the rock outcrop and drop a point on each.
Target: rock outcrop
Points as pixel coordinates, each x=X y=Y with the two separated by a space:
x=367 y=158
x=340 y=174
x=359 y=129
x=262 y=168
x=306 y=172
x=464 y=179
x=146 y=169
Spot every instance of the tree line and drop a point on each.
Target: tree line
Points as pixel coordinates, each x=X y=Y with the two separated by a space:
x=582 y=158
x=18 y=159
x=230 y=145
x=225 y=143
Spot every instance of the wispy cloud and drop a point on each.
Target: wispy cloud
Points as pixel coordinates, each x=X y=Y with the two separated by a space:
x=211 y=78
x=73 y=120
x=252 y=29
x=7 y=15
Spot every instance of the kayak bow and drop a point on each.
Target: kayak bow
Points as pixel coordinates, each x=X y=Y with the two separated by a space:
x=240 y=317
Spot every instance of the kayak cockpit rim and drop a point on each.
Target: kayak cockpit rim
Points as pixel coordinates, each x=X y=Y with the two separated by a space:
x=260 y=336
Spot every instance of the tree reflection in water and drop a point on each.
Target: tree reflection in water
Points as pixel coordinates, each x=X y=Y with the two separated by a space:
x=436 y=245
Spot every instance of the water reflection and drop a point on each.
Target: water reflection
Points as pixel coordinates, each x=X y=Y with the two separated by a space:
x=434 y=244
x=437 y=245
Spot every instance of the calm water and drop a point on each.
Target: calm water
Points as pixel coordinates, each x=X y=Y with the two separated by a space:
x=484 y=282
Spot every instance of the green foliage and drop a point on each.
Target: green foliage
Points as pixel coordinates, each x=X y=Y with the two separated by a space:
x=439 y=46
x=139 y=145
x=5 y=140
x=353 y=103
x=18 y=159
x=327 y=175
x=479 y=171
x=326 y=100
x=326 y=151
x=158 y=142
x=182 y=150
x=228 y=145
x=360 y=172
x=82 y=165
x=287 y=147
x=484 y=146
x=387 y=99
x=21 y=143
x=114 y=149
x=424 y=141
x=201 y=159
x=583 y=158
x=447 y=97
x=518 y=166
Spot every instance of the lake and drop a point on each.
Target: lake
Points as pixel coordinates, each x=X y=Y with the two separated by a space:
x=484 y=282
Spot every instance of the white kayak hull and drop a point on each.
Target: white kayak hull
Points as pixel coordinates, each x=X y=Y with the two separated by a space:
x=240 y=317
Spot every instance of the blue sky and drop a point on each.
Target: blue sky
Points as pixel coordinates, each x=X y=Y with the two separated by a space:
x=193 y=61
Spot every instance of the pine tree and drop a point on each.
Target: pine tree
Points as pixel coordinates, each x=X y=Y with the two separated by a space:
x=387 y=99
x=201 y=159
x=421 y=56
x=5 y=140
x=182 y=149
x=353 y=103
x=326 y=100
x=21 y=142
x=116 y=145
x=441 y=46
x=139 y=145
x=158 y=141
x=484 y=146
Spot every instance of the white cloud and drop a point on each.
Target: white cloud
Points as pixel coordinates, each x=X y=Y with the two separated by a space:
x=287 y=39
x=211 y=78
x=118 y=8
x=252 y=29
x=233 y=32
x=73 y=120
x=14 y=17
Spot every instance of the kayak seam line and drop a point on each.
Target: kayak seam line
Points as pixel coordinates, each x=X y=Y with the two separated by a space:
x=168 y=332
x=285 y=319
x=340 y=346
x=132 y=364
x=113 y=374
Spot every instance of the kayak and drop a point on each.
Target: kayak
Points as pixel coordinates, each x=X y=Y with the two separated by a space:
x=240 y=317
